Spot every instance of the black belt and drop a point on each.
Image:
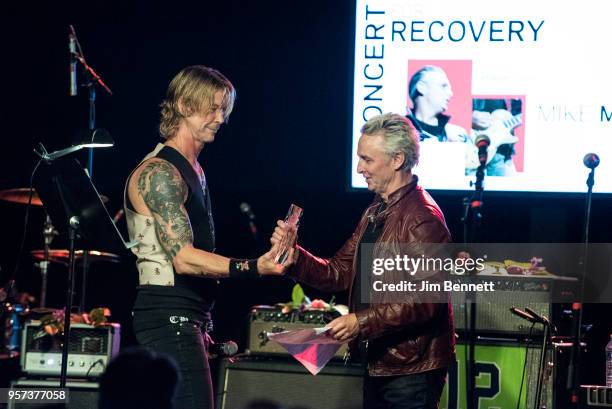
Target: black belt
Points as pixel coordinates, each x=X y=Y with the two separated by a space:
x=206 y=325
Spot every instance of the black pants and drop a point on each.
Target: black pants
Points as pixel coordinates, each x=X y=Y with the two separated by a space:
x=185 y=342
x=415 y=391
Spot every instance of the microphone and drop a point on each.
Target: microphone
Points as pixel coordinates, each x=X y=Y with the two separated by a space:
x=73 y=64
x=245 y=208
x=522 y=314
x=228 y=348
x=591 y=160
x=482 y=142
x=118 y=215
x=7 y=292
x=536 y=316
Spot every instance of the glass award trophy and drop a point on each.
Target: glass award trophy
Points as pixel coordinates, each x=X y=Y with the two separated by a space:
x=292 y=219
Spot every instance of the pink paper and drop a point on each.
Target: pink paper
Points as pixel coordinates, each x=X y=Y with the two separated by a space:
x=312 y=347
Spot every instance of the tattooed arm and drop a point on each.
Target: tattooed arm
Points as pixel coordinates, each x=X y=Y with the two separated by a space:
x=164 y=193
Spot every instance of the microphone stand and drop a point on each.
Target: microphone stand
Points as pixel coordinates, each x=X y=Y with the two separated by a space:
x=549 y=329
x=48 y=233
x=69 y=196
x=574 y=364
x=546 y=337
x=470 y=224
x=74 y=224
x=93 y=79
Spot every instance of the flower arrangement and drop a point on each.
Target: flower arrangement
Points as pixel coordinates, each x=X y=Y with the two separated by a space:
x=53 y=324
x=301 y=302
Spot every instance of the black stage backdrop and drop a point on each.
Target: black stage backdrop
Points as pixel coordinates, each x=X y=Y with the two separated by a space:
x=287 y=139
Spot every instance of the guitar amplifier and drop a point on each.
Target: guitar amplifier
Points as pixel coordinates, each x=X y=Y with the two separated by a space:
x=90 y=349
x=264 y=320
x=267 y=383
x=493 y=308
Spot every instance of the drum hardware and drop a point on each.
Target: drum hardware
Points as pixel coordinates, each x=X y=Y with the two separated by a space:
x=45 y=256
x=22 y=196
x=40 y=312
x=13 y=316
x=14 y=310
x=49 y=233
x=61 y=256
x=29 y=196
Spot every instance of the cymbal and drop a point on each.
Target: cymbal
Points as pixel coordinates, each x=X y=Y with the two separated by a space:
x=63 y=256
x=43 y=310
x=22 y=196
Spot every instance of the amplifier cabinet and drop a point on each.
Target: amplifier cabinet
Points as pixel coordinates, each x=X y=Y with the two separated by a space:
x=266 y=383
x=90 y=350
x=275 y=382
x=493 y=308
x=499 y=366
x=265 y=320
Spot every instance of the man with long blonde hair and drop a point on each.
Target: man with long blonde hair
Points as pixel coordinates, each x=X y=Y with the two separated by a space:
x=168 y=211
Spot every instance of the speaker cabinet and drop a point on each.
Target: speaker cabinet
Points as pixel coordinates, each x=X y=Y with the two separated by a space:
x=268 y=384
x=276 y=383
x=81 y=395
x=499 y=366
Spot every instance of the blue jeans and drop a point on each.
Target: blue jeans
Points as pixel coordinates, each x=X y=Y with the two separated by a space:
x=185 y=342
x=414 y=391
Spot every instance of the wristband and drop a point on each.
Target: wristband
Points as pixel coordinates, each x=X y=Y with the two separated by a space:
x=243 y=268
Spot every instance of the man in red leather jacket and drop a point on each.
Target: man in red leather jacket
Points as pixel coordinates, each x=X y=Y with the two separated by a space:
x=409 y=344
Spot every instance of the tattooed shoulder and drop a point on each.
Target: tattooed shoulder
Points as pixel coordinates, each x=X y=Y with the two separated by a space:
x=160 y=182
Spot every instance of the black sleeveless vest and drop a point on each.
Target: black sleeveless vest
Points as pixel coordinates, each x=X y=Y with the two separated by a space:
x=198 y=201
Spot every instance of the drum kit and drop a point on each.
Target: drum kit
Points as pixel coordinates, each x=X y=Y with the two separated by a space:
x=16 y=308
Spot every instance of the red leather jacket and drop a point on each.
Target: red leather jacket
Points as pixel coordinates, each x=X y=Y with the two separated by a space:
x=402 y=338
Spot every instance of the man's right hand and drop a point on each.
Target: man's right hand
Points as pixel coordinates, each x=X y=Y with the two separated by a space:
x=280 y=231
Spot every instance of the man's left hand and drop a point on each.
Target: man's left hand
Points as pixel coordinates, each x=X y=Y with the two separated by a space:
x=344 y=328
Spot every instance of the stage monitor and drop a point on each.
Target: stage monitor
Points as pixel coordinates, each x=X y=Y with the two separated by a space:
x=530 y=79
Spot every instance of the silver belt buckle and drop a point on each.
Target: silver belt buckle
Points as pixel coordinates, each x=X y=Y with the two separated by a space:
x=177 y=319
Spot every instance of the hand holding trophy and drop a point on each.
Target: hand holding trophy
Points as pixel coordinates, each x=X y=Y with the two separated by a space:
x=285 y=235
x=283 y=252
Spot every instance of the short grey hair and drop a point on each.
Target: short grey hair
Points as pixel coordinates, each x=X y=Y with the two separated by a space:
x=399 y=134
